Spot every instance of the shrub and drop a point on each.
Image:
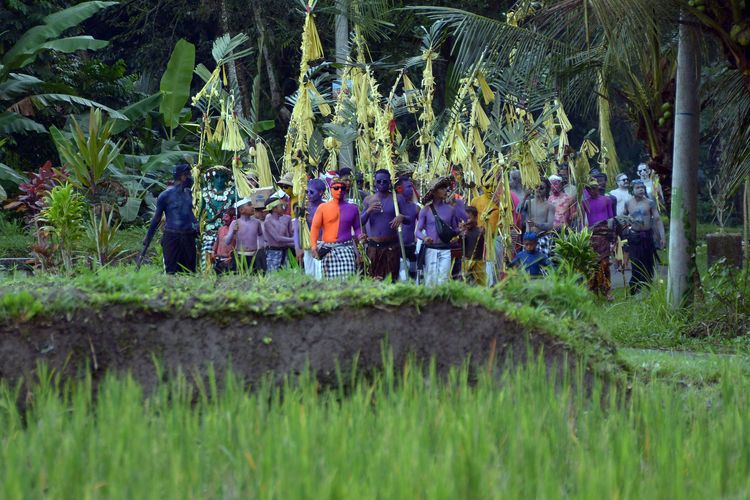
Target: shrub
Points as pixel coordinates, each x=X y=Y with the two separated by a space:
x=63 y=219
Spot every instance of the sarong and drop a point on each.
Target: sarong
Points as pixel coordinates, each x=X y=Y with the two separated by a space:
x=641 y=249
x=341 y=261
x=385 y=258
x=275 y=258
x=601 y=282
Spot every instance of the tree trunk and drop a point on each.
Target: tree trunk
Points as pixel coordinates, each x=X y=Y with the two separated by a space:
x=346 y=155
x=682 y=227
x=277 y=101
x=232 y=69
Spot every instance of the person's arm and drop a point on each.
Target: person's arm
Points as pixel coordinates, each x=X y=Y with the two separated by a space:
x=421 y=223
x=317 y=222
x=657 y=224
x=405 y=219
x=547 y=224
x=357 y=225
x=230 y=234
x=366 y=208
x=156 y=219
x=283 y=238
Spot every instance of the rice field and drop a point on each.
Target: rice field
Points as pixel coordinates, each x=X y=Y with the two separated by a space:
x=407 y=435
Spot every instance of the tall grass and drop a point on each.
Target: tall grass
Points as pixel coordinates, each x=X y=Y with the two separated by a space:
x=411 y=436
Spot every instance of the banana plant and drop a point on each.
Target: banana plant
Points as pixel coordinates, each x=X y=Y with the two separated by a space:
x=20 y=96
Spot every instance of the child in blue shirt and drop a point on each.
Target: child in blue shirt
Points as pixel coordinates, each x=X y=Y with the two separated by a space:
x=530 y=258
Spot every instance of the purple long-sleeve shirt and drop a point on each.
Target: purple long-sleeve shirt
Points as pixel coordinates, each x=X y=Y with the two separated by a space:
x=426 y=227
x=278 y=230
x=248 y=232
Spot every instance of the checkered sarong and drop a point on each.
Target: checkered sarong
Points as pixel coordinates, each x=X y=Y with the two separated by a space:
x=341 y=261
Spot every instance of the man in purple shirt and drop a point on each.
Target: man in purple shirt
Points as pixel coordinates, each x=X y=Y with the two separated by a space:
x=405 y=187
x=437 y=256
x=382 y=223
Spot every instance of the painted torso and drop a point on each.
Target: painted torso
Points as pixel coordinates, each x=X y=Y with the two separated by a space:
x=278 y=230
x=248 y=229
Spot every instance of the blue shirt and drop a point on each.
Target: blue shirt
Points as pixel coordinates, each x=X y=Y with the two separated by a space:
x=532 y=262
x=177 y=204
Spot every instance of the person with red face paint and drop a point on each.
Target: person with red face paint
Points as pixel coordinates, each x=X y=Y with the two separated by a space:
x=337 y=222
x=382 y=223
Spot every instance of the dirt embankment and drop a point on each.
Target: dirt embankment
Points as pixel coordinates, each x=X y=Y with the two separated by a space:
x=122 y=340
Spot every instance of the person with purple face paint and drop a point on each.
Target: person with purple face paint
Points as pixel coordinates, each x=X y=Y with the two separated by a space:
x=381 y=219
x=314 y=196
x=436 y=227
x=405 y=187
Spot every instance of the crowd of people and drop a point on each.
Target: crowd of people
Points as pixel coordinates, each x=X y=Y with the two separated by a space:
x=394 y=234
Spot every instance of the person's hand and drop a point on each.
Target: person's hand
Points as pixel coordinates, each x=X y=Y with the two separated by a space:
x=315 y=253
x=397 y=221
x=428 y=240
x=300 y=253
x=362 y=238
x=375 y=207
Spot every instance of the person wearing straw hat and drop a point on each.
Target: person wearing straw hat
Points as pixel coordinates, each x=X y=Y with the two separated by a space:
x=278 y=232
x=286 y=184
x=181 y=229
x=246 y=229
x=337 y=222
x=436 y=227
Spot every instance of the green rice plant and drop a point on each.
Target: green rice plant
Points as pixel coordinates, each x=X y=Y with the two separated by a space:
x=102 y=231
x=21 y=306
x=574 y=254
x=63 y=219
x=400 y=433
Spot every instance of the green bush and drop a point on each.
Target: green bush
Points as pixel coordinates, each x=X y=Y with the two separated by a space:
x=15 y=241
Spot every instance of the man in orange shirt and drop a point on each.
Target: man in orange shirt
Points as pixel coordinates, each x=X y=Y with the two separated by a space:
x=339 y=222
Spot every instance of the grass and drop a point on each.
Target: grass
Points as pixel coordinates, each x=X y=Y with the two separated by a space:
x=391 y=437
x=15 y=241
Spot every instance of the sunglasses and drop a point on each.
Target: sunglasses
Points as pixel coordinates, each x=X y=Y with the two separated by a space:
x=641 y=170
x=382 y=181
x=338 y=188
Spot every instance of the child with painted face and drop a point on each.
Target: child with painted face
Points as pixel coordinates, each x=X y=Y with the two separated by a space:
x=337 y=222
x=382 y=223
x=247 y=229
x=221 y=251
x=278 y=231
x=531 y=259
